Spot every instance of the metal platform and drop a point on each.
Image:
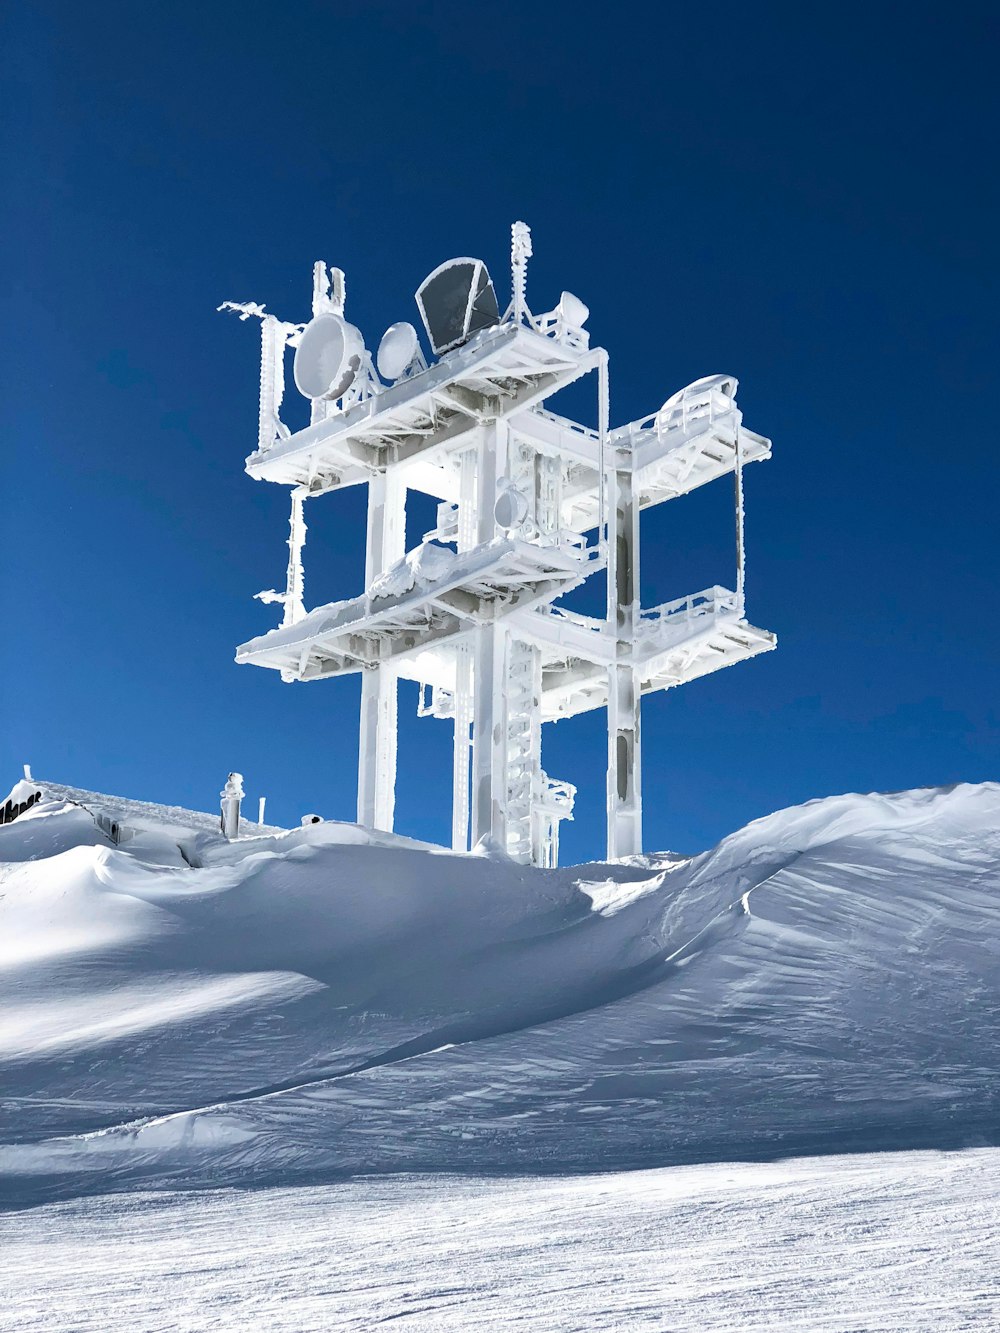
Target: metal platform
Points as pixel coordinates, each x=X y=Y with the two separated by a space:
x=675 y=643
x=500 y=372
x=479 y=586
x=668 y=458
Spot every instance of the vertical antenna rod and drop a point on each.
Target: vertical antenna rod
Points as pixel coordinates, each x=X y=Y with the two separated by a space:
x=520 y=253
x=741 y=559
x=603 y=423
x=328 y=290
x=294 y=598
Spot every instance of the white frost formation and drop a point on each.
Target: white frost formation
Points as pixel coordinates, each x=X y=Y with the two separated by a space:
x=534 y=504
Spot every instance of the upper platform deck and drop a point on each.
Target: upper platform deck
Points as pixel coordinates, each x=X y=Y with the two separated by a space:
x=500 y=372
x=691 y=441
x=426 y=419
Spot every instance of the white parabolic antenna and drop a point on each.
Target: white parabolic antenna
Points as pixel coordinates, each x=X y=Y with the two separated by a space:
x=396 y=350
x=511 y=508
x=573 y=310
x=328 y=357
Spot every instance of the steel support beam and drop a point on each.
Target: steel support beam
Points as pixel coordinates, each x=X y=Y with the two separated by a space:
x=624 y=743
x=489 y=738
x=386 y=542
x=464 y=666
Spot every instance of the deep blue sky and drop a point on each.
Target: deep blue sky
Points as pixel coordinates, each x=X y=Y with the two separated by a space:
x=803 y=196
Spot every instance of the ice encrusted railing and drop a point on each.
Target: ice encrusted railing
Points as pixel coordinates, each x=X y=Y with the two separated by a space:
x=694 y=409
x=556 y=796
x=565 y=423
x=695 y=606
x=685 y=610
x=553 y=325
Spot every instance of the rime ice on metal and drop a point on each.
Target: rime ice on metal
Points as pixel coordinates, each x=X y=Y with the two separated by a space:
x=531 y=505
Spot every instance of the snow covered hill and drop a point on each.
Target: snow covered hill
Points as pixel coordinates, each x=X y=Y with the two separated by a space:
x=182 y=1011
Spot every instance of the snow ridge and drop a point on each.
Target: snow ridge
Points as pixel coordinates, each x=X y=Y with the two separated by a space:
x=298 y=1006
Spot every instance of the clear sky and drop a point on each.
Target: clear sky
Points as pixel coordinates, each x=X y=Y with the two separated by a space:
x=803 y=196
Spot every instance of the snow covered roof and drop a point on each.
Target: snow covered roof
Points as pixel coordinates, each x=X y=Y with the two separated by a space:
x=130 y=811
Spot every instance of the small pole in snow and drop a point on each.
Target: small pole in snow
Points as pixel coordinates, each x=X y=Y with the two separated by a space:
x=27 y=773
x=232 y=794
x=262 y=801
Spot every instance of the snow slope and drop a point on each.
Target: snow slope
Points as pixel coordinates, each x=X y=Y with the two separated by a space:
x=879 y=1242
x=179 y=1011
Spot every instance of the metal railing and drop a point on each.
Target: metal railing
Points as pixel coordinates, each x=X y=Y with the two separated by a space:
x=556 y=798
x=703 y=408
x=552 y=325
x=565 y=423
x=709 y=602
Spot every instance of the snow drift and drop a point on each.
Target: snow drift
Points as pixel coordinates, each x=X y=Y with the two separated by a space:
x=294 y=1006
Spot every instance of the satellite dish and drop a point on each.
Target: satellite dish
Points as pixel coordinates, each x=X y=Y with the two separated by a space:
x=511 y=508
x=396 y=350
x=456 y=301
x=572 y=310
x=328 y=357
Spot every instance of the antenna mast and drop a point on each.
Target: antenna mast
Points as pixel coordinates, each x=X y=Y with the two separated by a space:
x=530 y=506
x=520 y=253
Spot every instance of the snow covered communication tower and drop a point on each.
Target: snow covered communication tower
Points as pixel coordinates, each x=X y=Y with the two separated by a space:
x=531 y=505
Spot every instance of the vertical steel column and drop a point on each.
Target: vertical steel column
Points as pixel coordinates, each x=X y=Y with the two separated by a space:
x=386 y=541
x=489 y=736
x=462 y=752
x=741 y=558
x=624 y=749
x=462 y=747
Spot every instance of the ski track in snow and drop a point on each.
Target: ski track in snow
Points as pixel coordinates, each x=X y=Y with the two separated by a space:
x=900 y=1242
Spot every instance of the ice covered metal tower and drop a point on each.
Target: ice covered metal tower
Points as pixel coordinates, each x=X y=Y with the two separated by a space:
x=531 y=505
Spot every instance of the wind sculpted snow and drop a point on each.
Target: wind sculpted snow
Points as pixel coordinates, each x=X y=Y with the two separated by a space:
x=292 y=1007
